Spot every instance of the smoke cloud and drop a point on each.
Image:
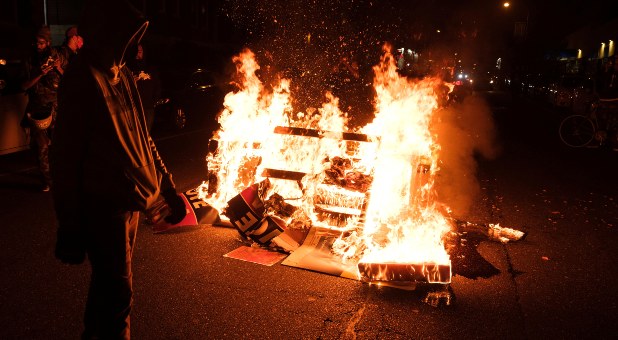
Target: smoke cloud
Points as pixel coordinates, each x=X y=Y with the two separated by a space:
x=464 y=132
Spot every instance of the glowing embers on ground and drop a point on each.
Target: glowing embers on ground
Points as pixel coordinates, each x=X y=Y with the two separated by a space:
x=307 y=169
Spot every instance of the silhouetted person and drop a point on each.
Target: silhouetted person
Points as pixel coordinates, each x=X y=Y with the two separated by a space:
x=73 y=42
x=105 y=167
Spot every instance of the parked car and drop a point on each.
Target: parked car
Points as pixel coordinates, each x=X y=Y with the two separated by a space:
x=13 y=101
x=190 y=98
x=194 y=79
x=535 y=86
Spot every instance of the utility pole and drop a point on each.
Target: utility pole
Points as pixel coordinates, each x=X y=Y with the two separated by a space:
x=45 y=12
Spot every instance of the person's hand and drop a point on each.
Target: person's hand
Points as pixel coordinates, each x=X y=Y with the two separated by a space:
x=58 y=65
x=70 y=246
x=176 y=204
x=46 y=68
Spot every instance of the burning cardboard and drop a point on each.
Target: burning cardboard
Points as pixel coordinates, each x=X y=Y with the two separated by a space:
x=246 y=212
x=316 y=254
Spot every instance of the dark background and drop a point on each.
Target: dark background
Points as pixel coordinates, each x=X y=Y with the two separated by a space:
x=480 y=30
x=310 y=42
x=557 y=283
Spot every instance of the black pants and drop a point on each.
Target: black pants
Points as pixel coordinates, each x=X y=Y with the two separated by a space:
x=111 y=238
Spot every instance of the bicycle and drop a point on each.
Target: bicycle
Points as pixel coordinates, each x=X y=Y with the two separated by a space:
x=596 y=128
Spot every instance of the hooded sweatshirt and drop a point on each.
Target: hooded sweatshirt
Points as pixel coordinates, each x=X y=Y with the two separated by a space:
x=102 y=155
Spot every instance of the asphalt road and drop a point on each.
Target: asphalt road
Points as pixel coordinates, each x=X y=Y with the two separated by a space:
x=557 y=283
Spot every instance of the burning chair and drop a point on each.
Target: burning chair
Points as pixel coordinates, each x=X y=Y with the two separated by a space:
x=338 y=197
x=259 y=211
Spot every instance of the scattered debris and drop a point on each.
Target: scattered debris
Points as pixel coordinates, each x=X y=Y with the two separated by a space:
x=493 y=232
x=439 y=296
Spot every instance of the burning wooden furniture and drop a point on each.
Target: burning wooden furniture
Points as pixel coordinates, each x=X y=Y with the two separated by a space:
x=367 y=197
x=340 y=195
x=339 y=200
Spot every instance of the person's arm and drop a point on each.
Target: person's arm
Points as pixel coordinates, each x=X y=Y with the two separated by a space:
x=35 y=76
x=167 y=183
x=168 y=188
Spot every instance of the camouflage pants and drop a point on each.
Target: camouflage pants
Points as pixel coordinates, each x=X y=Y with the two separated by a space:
x=42 y=140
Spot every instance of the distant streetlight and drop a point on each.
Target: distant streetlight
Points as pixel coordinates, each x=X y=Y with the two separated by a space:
x=521 y=28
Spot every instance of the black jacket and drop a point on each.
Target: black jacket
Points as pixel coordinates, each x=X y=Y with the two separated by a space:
x=102 y=153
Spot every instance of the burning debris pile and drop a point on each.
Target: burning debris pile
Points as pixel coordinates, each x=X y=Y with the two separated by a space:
x=363 y=201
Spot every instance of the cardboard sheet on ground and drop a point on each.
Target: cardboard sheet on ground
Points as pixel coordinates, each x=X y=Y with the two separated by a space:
x=256 y=255
x=315 y=254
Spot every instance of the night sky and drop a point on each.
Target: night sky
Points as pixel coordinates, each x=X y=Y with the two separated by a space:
x=338 y=25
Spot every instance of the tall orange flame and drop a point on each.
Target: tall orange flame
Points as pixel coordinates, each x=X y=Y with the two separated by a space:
x=402 y=222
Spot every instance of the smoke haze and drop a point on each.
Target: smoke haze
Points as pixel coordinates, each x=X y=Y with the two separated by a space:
x=465 y=131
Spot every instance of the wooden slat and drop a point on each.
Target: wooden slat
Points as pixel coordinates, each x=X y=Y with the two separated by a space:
x=283 y=174
x=405 y=272
x=296 y=131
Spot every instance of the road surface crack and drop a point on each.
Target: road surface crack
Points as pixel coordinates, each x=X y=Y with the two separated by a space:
x=350 y=331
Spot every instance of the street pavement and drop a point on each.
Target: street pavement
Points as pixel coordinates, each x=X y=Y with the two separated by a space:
x=558 y=283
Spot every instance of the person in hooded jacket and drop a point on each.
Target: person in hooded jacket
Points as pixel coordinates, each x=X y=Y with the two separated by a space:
x=105 y=167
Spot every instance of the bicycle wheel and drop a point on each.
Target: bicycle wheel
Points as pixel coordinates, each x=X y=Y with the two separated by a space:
x=576 y=131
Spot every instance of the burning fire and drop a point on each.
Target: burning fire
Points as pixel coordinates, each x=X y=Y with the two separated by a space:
x=375 y=184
